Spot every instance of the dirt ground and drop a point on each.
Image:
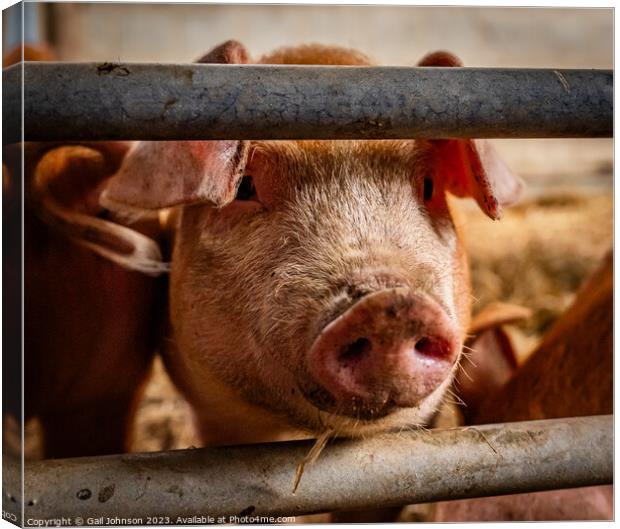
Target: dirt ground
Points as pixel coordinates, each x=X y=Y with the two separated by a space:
x=536 y=256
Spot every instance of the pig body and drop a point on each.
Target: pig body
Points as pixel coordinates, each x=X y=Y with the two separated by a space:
x=328 y=290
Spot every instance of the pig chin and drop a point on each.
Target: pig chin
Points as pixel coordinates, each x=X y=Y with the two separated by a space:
x=396 y=419
x=391 y=353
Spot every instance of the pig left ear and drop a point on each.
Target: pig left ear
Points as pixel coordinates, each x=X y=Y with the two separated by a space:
x=161 y=174
x=471 y=168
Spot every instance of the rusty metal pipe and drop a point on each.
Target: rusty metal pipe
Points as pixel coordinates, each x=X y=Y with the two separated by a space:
x=394 y=469
x=95 y=101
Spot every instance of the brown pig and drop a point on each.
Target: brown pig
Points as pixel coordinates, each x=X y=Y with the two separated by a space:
x=578 y=350
x=327 y=290
x=90 y=323
x=90 y=312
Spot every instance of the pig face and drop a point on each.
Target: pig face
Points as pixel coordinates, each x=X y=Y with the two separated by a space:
x=333 y=282
x=328 y=286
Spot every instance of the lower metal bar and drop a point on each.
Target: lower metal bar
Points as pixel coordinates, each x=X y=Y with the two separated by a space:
x=133 y=101
x=392 y=469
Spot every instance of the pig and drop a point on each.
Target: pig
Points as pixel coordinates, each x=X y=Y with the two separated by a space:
x=579 y=347
x=315 y=286
x=578 y=350
x=90 y=311
x=92 y=301
x=90 y=323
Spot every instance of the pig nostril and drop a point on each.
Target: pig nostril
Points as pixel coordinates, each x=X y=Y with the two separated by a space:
x=355 y=351
x=433 y=347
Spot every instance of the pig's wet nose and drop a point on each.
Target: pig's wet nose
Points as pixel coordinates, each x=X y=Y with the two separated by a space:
x=392 y=348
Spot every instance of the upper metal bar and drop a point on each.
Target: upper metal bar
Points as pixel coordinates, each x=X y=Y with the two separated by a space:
x=105 y=101
x=396 y=469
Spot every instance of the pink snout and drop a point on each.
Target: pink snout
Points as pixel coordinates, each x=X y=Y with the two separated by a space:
x=390 y=349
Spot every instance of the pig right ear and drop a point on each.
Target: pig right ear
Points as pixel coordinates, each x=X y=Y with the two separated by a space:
x=161 y=174
x=471 y=168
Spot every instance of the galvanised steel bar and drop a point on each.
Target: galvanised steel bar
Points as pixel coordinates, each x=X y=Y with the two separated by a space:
x=397 y=469
x=105 y=101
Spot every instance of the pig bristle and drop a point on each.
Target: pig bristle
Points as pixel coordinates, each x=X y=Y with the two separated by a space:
x=457 y=400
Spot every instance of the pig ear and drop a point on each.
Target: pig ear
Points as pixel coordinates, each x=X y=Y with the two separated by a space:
x=471 y=168
x=160 y=174
x=64 y=184
x=491 y=358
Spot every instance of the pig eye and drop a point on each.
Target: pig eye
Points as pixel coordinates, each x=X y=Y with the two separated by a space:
x=246 y=190
x=428 y=189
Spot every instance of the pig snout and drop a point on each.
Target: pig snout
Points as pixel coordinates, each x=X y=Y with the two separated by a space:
x=390 y=350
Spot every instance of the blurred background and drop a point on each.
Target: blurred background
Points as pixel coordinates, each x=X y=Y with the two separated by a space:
x=545 y=246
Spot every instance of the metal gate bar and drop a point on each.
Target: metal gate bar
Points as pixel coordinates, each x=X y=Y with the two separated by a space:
x=105 y=101
x=394 y=469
